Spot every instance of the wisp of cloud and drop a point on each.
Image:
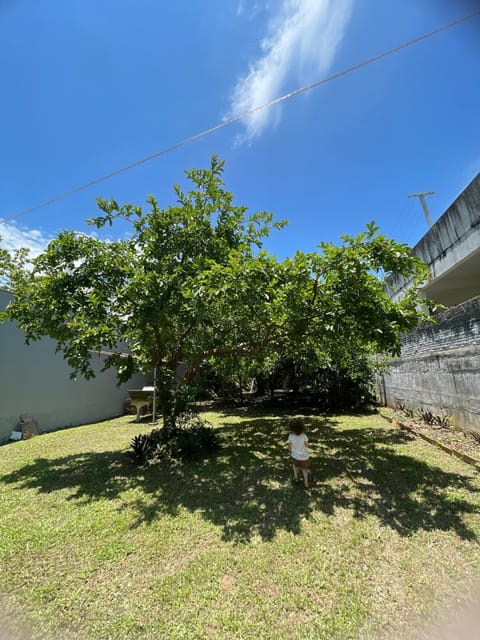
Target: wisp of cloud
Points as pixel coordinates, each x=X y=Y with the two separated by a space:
x=301 y=38
x=13 y=237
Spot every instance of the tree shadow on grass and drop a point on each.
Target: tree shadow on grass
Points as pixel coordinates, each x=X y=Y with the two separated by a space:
x=246 y=489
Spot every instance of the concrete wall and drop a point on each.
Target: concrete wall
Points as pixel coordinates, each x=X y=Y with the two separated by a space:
x=439 y=368
x=451 y=249
x=34 y=380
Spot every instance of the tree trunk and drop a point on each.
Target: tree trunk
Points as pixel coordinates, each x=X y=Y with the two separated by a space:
x=166 y=394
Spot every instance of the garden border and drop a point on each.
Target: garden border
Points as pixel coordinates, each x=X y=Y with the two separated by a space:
x=453 y=452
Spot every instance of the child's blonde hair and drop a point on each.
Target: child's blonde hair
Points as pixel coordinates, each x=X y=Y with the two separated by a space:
x=296 y=425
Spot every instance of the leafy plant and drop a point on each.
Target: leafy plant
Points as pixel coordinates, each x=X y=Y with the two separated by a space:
x=410 y=413
x=475 y=436
x=191 y=437
x=443 y=421
x=430 y=418
x=427 y=416
x=143 y=447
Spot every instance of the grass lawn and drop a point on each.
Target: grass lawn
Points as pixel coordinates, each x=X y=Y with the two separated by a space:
x=228 y=547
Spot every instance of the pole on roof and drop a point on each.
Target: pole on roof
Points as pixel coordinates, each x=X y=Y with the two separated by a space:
x=423 y=202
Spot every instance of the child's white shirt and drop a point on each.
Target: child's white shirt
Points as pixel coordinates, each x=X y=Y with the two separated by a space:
x=298 y=450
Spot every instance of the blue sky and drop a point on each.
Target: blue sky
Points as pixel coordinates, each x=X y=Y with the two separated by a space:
x=89 y=86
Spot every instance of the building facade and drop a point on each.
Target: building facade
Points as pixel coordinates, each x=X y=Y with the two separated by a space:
x=439 y=365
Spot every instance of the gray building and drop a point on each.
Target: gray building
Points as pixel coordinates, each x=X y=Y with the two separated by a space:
x=439 y=366
x=451 y=249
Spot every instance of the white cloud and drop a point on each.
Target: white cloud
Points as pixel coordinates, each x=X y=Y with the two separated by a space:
x=13 y=236
x=302 y=39
x=16 y=237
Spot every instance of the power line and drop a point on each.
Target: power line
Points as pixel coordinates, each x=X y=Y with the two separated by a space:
x=246 y=114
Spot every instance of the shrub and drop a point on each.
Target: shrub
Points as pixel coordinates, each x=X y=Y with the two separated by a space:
x=191 y=437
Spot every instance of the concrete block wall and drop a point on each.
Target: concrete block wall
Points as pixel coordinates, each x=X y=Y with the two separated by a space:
x=454 y=328
x=439 y=367
x=34 y=380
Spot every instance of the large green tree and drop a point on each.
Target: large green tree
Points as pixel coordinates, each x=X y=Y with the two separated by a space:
x=193 y=283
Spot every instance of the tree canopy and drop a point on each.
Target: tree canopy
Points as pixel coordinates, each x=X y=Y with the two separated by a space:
x=193 y=283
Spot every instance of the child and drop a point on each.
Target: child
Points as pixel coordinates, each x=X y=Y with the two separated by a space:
x=297 y=443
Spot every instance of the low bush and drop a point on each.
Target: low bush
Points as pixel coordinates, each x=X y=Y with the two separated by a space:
x=192 y=437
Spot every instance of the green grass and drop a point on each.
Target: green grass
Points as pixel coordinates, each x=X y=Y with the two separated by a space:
x=228 y=547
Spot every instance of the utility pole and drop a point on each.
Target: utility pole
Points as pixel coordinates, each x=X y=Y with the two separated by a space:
x=423 y=202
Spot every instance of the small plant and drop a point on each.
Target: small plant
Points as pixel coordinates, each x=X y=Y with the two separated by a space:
x=443 y=421
x=143 y=447
x=475 y=436
x=191 y=437
x=400 y=406
x=427 y=416
x=410 y=413
x=430 y=418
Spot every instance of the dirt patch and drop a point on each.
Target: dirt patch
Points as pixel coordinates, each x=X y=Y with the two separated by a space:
x=464 y=443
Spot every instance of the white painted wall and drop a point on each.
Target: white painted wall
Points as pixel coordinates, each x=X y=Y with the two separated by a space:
x=34 y=380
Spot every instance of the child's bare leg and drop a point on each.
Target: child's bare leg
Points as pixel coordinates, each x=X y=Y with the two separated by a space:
x=305 y=477
x=295 y=473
